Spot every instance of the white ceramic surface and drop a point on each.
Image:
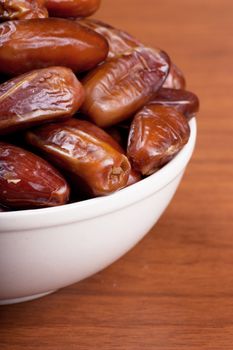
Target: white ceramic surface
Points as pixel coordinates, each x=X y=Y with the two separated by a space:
x=46 y=249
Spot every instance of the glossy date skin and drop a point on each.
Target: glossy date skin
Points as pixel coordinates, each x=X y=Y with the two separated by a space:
x=72 y=8
x=27 y=181
x=120 y=145
x=157 y=134
x=119 y=87
x=91 y=161
x=39 y=43
x=119 y=41
x=134 y=177
x=184 y=101
x=22 y=9
x=175 y=78
x=37 y=97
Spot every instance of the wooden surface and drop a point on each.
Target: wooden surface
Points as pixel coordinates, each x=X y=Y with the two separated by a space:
x=175 y=289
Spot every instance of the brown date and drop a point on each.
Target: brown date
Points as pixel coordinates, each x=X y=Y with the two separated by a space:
x=27 y=181
x=157 y=134
x=116 y=133
x=184 y=101
x=119 y=41
x=3 y=208
x=72 y=8
x=175 y=78
x=39 y=96
x=22 y=9
x=119 y=87
x=134 y=177
x=39 y=43
x=118 y=140
x=86 y=153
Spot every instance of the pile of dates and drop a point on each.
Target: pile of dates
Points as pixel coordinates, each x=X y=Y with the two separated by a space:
x=85 y=109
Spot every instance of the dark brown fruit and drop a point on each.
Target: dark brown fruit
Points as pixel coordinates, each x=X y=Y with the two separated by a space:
x=157 y=134
x=88 y=155
x=175 y=78
x=184 y=101
x=22 y=9
x=119 y=41
x=2 y=209
x=122 y=85
x=39 y=96
x=72 y=8
x=26 y=45
x=134 y=177
x=27 y=181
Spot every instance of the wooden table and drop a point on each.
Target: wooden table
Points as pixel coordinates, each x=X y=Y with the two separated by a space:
x=175 y=289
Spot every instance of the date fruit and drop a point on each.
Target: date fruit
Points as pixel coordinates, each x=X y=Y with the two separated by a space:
x=91 y=161
x=157 y=134
x=72 y=8
x=119 y=87
x=184 y=101
x=134 y=177
x=39 y=43
x=175 y=78
x=39 y=96
x=22 y=9
x=27 y=181
x=121 y=144
x=119 y=41
x=3 y=208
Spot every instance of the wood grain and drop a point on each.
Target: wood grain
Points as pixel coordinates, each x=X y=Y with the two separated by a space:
x=175 y=289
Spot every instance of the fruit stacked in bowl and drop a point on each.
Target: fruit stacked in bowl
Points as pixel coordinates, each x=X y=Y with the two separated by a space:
x=96 y=130
x=85 y=109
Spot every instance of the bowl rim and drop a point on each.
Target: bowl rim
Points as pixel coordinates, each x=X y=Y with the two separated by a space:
x=22 y=220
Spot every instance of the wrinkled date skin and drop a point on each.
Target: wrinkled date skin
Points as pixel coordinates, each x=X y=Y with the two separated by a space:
x=119 y=41
x=121 y=144
x=120 y=135
x=175 y=78
x=22 y=9
x=27 y=181
x=39 y=96
x=40 y=43
x=122 y=85
x=184 y=101
x=157 y=134
x=72 y=8
x=84 y=151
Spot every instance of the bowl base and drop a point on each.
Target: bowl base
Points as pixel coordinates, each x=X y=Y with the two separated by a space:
x=23 y=299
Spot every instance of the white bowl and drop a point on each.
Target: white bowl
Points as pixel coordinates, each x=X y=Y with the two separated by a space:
x=46 y=249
